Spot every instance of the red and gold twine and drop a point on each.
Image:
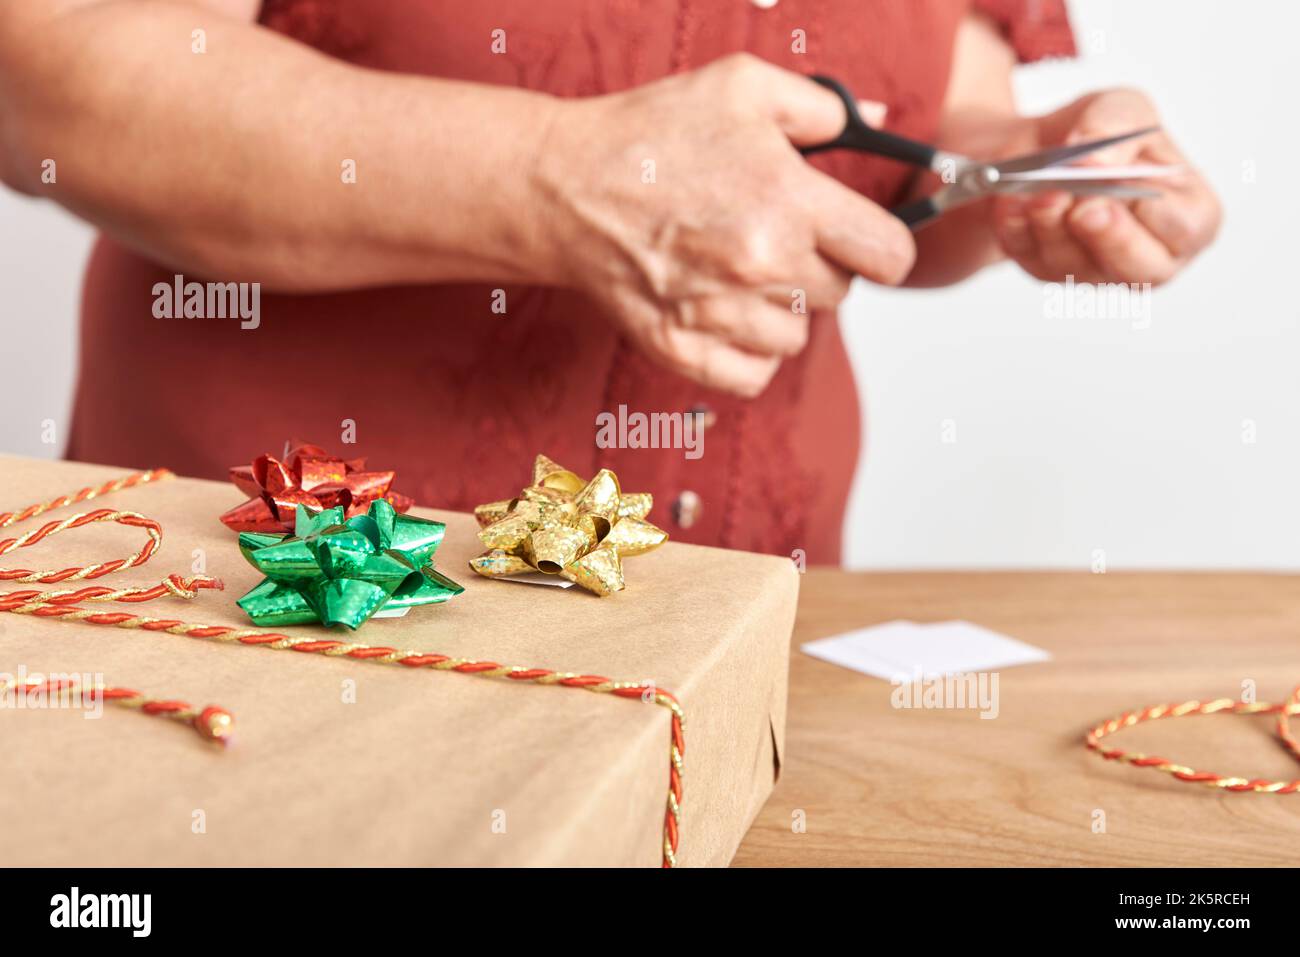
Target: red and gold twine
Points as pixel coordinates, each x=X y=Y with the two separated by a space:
x=213 y=723
x=216 y=723
x=1182 y=772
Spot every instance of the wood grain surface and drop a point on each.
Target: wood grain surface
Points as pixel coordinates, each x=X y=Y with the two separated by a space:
x=876 y=785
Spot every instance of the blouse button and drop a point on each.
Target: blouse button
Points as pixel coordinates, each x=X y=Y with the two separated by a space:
x=687 y=508
x=705 y=417
x=764 y=4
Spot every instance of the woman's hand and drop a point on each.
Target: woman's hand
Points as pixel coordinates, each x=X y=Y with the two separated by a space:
x=684 y=208
x=1098 y=239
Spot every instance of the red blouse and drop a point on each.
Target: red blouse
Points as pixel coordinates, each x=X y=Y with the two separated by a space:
x=201 y=395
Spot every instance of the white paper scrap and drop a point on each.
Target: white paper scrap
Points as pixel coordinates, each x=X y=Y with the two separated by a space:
x=907 y=650
x=537 y=578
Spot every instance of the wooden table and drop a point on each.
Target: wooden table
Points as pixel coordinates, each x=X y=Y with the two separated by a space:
x=875 y=785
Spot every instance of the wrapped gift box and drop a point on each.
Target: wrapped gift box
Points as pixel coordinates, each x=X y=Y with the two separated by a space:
x=337 y=761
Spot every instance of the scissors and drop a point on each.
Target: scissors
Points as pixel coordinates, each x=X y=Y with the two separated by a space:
x=968 y=180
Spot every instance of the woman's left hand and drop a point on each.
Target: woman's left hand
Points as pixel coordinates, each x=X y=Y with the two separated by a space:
x=1099 y=239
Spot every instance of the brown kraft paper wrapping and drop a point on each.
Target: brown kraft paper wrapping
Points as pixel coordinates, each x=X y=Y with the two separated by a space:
x=344 y=762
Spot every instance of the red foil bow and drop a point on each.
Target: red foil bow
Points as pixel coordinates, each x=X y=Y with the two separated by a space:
x=311 y=477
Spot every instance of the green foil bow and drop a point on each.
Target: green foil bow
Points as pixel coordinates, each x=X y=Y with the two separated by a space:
x=340 y=572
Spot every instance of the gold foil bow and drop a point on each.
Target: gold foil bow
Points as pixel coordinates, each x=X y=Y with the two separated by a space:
x=561 y=525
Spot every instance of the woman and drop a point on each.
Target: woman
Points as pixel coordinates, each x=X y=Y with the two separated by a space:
x=478 y=227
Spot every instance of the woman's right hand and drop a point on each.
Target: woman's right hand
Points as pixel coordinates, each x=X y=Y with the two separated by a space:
x=686 y=211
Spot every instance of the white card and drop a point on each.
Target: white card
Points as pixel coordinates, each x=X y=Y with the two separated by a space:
x=536 y=578
x=905 y=650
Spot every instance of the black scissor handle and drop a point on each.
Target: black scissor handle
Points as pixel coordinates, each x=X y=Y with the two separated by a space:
x=917 y=213
x=857 y=135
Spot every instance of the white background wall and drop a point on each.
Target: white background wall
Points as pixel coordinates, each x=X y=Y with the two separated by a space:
x=1071 y=435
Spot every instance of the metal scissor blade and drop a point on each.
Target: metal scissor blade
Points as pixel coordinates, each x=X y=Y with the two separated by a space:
x=1093 y=173
x=1060 y=154
x=1080 y=188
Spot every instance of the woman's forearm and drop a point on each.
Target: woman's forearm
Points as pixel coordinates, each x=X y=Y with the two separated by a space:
x=681 y=208
x=236 y=162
